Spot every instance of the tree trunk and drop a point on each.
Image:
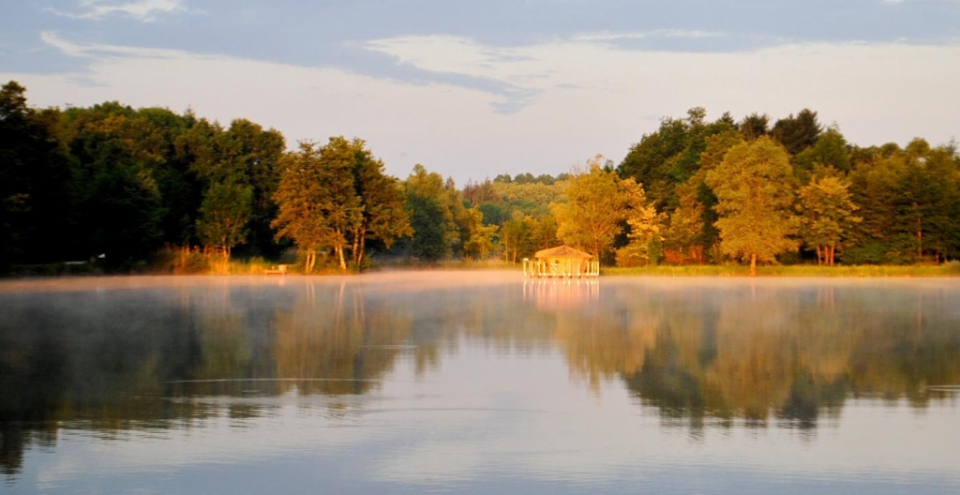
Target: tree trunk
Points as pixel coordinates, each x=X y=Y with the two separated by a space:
x=355 y=251
x=753 y=265
x=310 y=261
x=339 y=249
x=362 y=246
x=919 y=238
x=819 y=255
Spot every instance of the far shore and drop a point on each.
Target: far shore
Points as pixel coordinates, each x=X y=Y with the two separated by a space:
x=262 y=271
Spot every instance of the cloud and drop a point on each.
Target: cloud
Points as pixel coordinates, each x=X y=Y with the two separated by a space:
x=94 y=50
x=142 y=10
x=657 y=33
x=541 y=107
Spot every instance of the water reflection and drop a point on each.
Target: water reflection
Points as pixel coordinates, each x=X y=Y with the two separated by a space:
x=700 y=353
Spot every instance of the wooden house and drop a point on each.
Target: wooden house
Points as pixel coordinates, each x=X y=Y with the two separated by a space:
x=562 y=261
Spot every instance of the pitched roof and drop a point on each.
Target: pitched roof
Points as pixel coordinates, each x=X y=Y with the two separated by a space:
x=562 y=252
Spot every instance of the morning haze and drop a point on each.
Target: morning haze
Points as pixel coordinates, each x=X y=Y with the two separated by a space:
x=479 y=247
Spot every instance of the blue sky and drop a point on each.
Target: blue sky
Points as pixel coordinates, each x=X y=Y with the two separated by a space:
x=472 y=89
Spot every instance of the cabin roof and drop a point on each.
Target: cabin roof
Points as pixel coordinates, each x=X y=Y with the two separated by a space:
x=562 y=252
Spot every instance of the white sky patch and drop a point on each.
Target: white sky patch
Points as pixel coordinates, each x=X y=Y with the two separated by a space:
x=591 y=97
x=143 y=10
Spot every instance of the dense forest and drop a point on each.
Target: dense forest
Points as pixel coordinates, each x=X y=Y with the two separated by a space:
x=136 y=189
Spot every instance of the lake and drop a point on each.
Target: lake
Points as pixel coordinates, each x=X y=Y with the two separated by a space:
x=479 y=382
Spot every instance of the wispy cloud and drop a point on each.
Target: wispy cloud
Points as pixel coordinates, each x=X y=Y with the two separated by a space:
x=640 y=35
x=471 y=109
x=142 y=10
x=93 y=49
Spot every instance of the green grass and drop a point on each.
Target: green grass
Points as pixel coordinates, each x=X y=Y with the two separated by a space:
x=951 y=269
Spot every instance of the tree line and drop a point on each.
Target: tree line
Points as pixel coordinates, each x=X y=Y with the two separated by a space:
x=119 y=183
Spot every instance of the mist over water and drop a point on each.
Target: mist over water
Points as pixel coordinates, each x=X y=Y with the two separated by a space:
x=479 y=382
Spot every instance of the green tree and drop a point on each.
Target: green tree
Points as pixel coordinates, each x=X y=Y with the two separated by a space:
x=114 y=157
x=646 y=227
x=830 y=150
x=517 y=236
x=318 y=205
x=755 y=198
x=479 y=240
x=35 y=209
x=246 y=154
x=671 y=155
x=434 y=208
x=224 y=215
x=383 y=217
x=591 y=217
x=754 y=126
x=909 y=204
x=826 y=216
x=685 y=233
x=797 y=133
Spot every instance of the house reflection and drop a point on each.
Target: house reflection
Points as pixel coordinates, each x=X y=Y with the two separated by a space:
x=559 y=294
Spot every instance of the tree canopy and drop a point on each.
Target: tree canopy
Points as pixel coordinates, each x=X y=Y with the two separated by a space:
x=121 y=185
x=755 y=200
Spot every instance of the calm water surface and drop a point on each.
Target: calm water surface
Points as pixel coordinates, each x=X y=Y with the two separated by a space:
x=479 y=383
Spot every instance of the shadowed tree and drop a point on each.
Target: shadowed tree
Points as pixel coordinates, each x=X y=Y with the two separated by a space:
x=685 y=233
x=754 y=126
x=224 y=215
x=797 y=133
x=244 y=154
x=830 y=150
x=382 y=215
x=34 y=203
x=434 y=208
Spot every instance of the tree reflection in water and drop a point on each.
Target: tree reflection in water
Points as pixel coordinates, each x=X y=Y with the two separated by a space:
x=701 y=353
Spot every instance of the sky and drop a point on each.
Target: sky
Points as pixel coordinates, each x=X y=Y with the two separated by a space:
x=475 y=88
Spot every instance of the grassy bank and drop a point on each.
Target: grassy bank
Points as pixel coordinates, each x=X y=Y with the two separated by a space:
x=951 y=269
x=185 y=262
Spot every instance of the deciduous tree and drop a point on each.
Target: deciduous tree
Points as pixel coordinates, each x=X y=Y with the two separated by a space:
x=595 y=206
x=434 y=208
x=224 y=215
x=318 y=203
x=755 y=197
x=826 y=216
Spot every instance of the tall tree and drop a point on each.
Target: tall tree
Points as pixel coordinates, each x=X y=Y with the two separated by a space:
x=645 y=224
x=317 y=200
x=517 y=236
x=826 y=216
x=244 y=153
x=224 y=215
x=754 y=126
x=830 y=150
x=684 y=237
x=479 y=240
x=797 y=133
x=591 y=217
x=434 y=208
x=35 y=208
x=383 y=217
x=671 y=155
x=114 y=156
x=755 y=197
